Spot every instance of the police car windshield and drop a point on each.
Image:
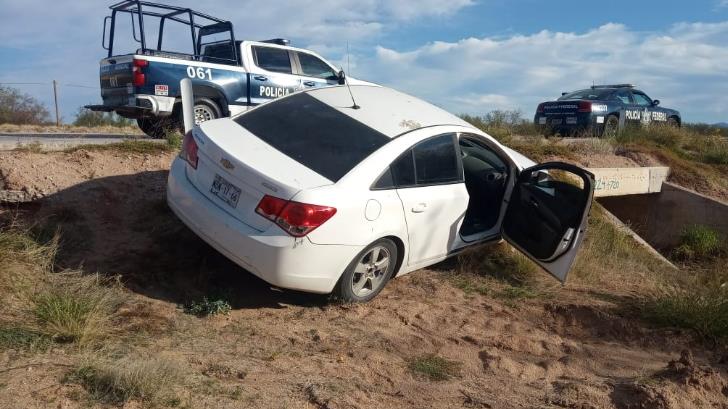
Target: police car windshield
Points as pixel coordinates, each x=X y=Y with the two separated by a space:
x=314 y=134
x=588 y=94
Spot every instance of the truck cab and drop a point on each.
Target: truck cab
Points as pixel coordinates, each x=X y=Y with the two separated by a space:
x=228 y=76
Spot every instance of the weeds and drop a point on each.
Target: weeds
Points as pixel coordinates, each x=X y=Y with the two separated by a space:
x=136 y=146
x=704 y=310
x=434 y=368
x=146 y=379
x=174 y=140
x=207 y=307
x=21 y=338
x=698 y=242
x=33 y=147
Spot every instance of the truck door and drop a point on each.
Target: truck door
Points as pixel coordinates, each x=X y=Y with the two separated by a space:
x=547 y=214
x=314 y=71
x=271 y=74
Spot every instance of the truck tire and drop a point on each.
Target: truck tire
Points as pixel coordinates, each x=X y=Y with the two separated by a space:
x=156 y=127
x=611 y=127
x=206 y=110
x=672 y=122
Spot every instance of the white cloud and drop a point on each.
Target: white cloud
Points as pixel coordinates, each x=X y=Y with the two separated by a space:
x=684 y=66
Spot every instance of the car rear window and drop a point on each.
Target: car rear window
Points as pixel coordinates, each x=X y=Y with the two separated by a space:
x=589 y=94
x=314 y=134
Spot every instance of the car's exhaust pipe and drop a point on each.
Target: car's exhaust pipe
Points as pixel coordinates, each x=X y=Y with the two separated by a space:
x=188 y=104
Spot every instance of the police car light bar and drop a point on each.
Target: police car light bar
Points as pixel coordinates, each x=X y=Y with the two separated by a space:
x=279 y=41
x=613 y=86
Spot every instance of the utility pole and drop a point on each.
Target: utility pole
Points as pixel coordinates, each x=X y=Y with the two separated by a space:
x=55 y=99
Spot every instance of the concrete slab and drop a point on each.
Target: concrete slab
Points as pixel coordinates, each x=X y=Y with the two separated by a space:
x=628 y=181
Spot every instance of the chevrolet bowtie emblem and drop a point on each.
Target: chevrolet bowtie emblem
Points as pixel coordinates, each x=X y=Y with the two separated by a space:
x=227 y=164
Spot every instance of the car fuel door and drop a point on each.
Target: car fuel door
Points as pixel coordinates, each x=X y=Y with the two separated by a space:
x=547 y=214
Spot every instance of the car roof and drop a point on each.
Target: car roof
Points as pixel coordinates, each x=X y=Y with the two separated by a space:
x=388 y=111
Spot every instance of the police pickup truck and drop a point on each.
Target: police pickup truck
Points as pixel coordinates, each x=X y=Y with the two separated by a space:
x=602 y=110
x=228 y=76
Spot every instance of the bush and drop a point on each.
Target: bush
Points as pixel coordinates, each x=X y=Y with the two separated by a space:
x=21 y=109
x=86 y=117
x=207 y=307
x=146 y=379
x=502 y=125
x=434 y=368
x=697 y=242
x=704 y=310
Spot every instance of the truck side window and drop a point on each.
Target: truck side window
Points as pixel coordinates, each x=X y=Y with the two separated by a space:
x=314 y=67
x=623 y=96
x=272 y=59
x=642 y=100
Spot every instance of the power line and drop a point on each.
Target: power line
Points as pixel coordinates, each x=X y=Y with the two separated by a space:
x=25 y=83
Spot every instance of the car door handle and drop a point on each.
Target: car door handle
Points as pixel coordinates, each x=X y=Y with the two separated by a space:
x=309 y=83
x=419 y=208
x=260 y=78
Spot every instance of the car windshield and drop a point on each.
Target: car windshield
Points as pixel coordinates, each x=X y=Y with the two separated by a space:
x=588 y=94
x=314 y=134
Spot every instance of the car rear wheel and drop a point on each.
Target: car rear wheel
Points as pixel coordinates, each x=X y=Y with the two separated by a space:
x=611 y=127
x=367 y=274
x=156 y=127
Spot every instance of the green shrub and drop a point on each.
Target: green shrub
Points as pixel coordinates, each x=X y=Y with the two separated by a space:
x=21 y=338
x=207 y=307
x=703 y=309
x=698 y=242
x=91 y=119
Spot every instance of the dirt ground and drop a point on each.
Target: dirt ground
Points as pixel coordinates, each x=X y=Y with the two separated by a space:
x=576 y=348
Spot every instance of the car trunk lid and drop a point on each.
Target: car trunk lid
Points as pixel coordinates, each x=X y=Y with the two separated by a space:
x=236 y=169
x=116 y=76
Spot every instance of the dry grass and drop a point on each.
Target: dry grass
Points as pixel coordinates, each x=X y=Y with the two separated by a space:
x=127 y=130
x=131 y=146
x=145 y=378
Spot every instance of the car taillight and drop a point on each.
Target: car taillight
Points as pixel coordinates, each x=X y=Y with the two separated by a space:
x=585 y=106
x=297 y=219
x=139 y=79
x=540 y=109
x=189 y=150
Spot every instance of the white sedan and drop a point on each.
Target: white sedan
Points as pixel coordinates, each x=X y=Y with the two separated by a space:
x=317 y=193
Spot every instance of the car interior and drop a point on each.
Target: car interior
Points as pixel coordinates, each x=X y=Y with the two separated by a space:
x=486 y=175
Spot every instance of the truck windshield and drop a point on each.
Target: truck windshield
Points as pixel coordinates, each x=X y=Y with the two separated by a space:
x=314 y=134
x=589 y=94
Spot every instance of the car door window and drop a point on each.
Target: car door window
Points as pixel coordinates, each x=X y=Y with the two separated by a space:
x=312 y=66
x=642 y=100
x=272 y=59
x=431 y=162
x=623 y=96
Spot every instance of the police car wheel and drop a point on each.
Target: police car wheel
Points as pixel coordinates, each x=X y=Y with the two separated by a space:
x=156 y=127
x=206 y=110
x=672 y=122
x=611 y=126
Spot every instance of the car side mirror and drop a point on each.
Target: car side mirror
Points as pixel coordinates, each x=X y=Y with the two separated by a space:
x=342 y=77
x=564 y=93
x=656 y=102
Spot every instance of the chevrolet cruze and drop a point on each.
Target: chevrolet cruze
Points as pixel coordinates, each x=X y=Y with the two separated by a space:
x=337 y=190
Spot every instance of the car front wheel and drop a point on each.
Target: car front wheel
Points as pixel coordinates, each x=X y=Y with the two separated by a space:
x=367 y=274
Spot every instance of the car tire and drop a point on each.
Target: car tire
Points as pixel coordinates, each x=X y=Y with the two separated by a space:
x=156 y=127
x=611 y=127
x=672 y=122
x=368 y=273
x=206 y=109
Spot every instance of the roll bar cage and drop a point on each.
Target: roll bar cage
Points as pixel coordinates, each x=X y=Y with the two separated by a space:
x=200 y=25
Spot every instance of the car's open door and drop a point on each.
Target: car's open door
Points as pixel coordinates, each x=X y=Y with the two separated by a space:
x=547 y=214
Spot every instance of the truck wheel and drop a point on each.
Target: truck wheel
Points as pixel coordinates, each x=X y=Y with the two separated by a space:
x=367 y=274
x=206 y=110
x=611 y=127
x=156 y=127
x=672 y=122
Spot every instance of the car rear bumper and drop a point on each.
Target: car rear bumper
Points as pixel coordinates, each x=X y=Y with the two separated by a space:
x=272 y=255
x=574 y=125
x=138 y=106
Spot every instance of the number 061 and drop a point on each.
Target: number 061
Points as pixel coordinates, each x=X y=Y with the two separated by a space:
x=199 y=72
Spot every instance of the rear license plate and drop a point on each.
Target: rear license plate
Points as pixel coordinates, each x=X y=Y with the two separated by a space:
x=571 y=121
x=225 y=191
x=556 y=121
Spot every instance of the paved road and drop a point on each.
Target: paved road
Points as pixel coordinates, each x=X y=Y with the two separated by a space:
x=60 y=141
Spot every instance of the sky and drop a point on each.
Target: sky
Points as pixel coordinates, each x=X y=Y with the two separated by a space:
x=467 y=56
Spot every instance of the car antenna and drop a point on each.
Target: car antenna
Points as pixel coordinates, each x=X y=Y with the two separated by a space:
x=346 y=80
